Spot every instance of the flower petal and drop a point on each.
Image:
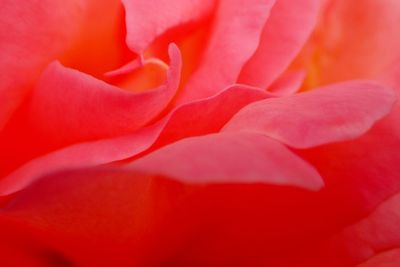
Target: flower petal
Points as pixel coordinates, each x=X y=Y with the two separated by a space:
x=337 y=52
x=286 y=31
x=331 y=114
x=233 y=40
x=31 y=34
x=66 y=100
x=35 y=33
x=287 y=84
x=146 y=21
x=199 y=115
x=115 y=217
x=230 y=158
x=68 y=107
x=93 y=222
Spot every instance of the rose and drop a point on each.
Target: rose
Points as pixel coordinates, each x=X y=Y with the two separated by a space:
x=206 y=177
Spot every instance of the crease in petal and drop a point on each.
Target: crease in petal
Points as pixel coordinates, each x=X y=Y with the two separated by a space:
x=288 y=84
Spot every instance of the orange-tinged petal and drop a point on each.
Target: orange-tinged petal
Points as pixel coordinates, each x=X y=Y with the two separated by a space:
x=197 y=117
x=234 y=36
x=34 y=33
x=68 y=106
x=284 y=34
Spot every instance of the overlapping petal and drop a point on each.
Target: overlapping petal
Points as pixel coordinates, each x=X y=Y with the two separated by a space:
x=230 y=158
x=331 y=114
x=197 y=117
x=121 y=218
x=86 y=108
x=286 y=31
x=35 y=33
x=134 y=216
x=68 y=106
x=234 y=38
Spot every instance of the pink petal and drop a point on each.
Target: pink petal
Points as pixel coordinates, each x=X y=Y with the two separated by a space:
x=199 y=115
x=285 y=33
x=230 y=158
x=234 y=38
x=34 y=33
x=80 y=155
x=86 y=108
x=68 y=106
x=31 y=34
x=331 y=114
x=146 y=20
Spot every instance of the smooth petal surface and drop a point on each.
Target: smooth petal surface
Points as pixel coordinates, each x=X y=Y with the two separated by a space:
x=331 y=114
x=339 y=54
x=198 y=118
x=94 y=222
x=234 y=37
x=27 y=43
x=230 y=158
x=285 y=33
x=146 y=20
x=35 y=33
x=113 y=217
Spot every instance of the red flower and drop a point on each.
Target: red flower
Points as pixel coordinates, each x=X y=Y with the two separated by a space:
x=269 y=139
